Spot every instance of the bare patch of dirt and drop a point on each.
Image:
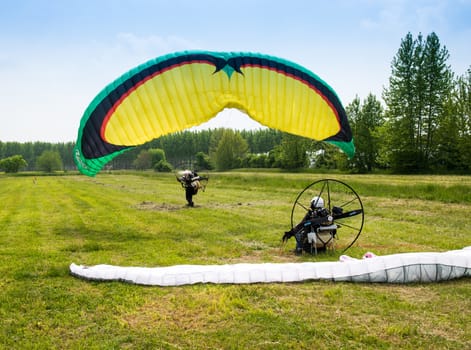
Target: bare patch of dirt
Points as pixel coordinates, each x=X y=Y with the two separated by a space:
x=149 y=205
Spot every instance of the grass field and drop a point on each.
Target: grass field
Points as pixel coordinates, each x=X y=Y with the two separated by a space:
x=140 y=219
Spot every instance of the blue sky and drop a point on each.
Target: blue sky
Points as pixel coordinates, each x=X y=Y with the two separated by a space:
x=56 y=56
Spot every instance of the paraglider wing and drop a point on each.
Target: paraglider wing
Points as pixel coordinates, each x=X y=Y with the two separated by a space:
x=420 y=267
x=178 y=91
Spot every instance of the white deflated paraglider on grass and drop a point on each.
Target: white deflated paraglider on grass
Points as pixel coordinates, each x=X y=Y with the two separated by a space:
x=396 y=268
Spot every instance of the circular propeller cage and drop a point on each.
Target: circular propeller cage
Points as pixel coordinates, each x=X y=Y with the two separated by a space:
x=343 y=212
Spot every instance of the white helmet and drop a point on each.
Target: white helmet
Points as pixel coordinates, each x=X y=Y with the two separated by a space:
x=317 y=202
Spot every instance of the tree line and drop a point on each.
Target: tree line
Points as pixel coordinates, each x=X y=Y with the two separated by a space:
x=36 y=156
x=423 y=125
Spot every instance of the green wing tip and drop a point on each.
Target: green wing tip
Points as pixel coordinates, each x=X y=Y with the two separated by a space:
x=347 y=147
x=83 y=165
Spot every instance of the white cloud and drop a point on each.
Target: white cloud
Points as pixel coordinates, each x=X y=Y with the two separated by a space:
x=152 y=45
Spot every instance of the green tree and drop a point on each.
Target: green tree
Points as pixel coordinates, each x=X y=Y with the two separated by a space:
x=143 y=160
x=153 y=158
x=453 y=136
x=158 y=160
x=292 y=152
x=365 y=121
x=203 y=162
x=230 y=151
x=214 y=142
x=49 y=161
x=13 y=164
x=157 y=155
x=462 y=98
x=419 y=84
x=326 y=156
x=257 y=161
x=400 y=99
x=163 y=166
x=447 y=154
x=262 y=140
x=438 y=87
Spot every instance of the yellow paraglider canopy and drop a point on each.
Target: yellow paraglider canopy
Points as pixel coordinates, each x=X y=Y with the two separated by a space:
x=182 y=90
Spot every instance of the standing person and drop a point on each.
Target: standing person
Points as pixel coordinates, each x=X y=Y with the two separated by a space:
x=190 y=181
